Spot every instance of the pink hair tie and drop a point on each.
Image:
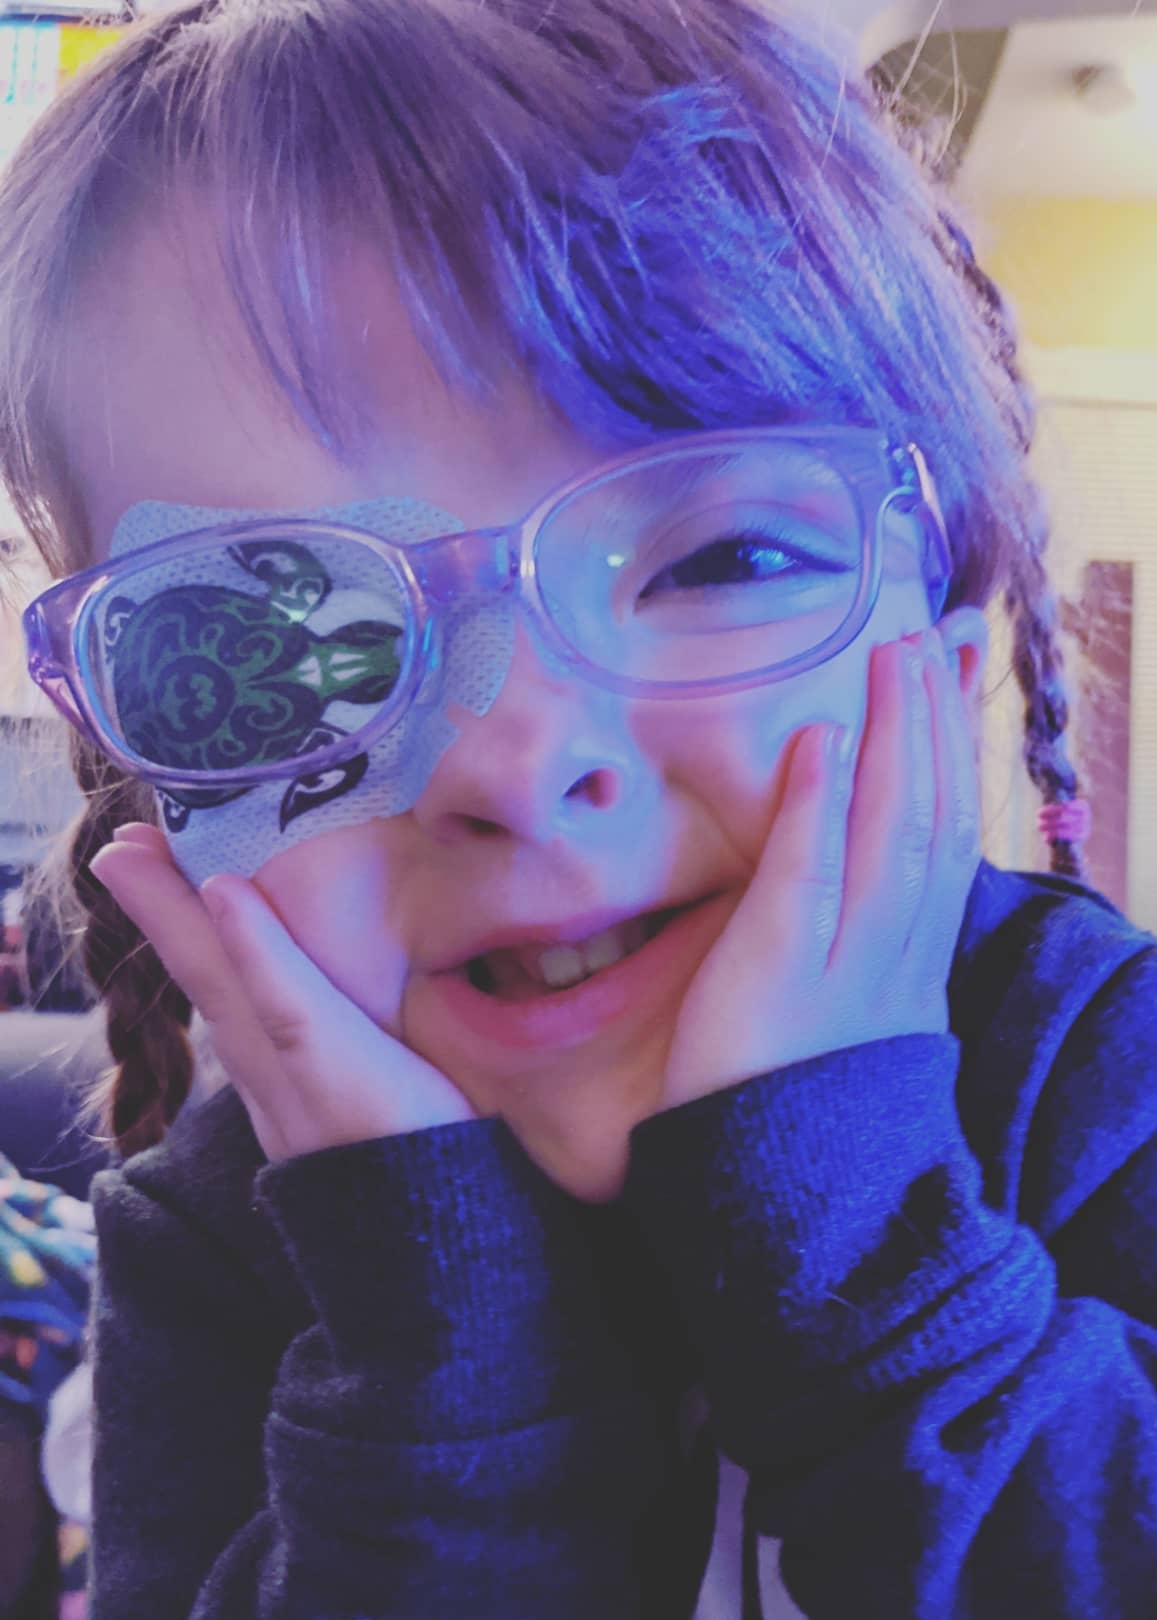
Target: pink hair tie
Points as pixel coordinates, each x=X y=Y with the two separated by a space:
x=1069 y=823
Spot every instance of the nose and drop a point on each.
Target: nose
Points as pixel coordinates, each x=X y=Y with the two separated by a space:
x=553 y=757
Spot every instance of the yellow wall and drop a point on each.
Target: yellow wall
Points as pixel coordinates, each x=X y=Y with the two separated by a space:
x=1081 y=271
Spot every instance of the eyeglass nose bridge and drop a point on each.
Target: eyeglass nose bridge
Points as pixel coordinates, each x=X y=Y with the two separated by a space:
x=476 y=561
x=450 y=570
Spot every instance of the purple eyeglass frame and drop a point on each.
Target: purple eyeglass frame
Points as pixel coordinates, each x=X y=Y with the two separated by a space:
x=882 y=476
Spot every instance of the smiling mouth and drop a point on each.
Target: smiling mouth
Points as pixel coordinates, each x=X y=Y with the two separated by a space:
x=533 y=971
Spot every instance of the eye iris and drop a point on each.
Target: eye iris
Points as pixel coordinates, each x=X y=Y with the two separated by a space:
x=724 y=562
x=729 y=561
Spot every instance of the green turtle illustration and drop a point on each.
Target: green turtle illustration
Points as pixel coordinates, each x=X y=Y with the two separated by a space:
x=210 y=677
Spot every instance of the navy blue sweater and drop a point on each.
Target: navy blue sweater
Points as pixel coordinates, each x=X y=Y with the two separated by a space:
x=916 y=1282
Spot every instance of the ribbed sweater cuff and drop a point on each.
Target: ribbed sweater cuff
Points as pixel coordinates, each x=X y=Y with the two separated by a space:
x=445 y=1266
x=789 y=1211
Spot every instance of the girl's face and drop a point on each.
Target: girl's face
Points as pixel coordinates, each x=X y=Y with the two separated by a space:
x=565 y=808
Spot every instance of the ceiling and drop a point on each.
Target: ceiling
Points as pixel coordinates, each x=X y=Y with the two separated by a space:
x=946 y=77
x=1036 y=137
x=1002 y=72
x=882 y=24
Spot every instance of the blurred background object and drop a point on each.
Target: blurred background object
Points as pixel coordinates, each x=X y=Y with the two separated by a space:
x=41 y=47
x=1060 y=174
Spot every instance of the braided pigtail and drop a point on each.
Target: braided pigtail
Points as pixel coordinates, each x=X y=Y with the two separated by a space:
x=147 y=1015
x=1038 y=664
x=1031 y=601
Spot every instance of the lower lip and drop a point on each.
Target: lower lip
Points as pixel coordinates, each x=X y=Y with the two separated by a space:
x=569 y=1017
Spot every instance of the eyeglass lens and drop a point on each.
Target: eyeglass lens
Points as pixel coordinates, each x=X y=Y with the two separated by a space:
x=701 y=565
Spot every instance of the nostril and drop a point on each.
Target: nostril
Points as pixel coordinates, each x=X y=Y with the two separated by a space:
x=596 y=788
x=480 y=827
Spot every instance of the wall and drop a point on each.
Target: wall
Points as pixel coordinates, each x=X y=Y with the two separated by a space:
x=1081 y=274
x=1082 y=271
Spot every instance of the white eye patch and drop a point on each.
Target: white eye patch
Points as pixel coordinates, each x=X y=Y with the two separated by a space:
x=240 y=833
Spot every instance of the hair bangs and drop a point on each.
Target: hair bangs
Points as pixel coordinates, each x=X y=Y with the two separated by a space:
x=667 y=216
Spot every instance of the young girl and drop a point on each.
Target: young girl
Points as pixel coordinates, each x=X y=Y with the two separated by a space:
x=525 y=481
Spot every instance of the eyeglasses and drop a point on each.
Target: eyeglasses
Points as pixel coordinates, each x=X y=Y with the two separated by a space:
x=715 y=563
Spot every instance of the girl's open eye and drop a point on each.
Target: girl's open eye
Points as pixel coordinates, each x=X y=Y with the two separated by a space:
x=745 y=558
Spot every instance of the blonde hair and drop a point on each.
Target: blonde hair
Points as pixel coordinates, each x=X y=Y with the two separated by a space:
x=669 y=214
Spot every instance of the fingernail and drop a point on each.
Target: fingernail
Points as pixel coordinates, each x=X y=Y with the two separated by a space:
x=97 y=862
x=838 y=747
x=934 y=645
x=136 y=832
x=215 y=903
x=106 y=867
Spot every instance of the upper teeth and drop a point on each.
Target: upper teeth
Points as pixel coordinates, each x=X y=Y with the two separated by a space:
x=563 y=965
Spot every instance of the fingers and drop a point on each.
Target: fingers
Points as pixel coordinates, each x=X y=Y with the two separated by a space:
x=955 y=851
x=338 y=1076
x=312 y=1068
x=894 y=814
x=913 y=837
x=143 y=881
x=793 y=901
x=876 y=856
x=225 y=948
x=958 y=780
x=770 y=961
x=286 y=991
x=845 y=932
x=149 y=888
x=142 y=833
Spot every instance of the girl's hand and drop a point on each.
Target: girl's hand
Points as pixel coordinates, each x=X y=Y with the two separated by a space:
x=846 y=932
x=313 y=1070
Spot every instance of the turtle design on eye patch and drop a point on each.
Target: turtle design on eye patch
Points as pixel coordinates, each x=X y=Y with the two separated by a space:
x=209 y=677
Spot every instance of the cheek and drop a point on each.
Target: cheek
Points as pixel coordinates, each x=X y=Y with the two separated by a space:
x=726 y=753
x=334 y=894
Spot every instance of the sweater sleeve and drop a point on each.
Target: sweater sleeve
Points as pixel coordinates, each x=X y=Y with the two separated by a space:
x=935 y=1421
x=456 y=1434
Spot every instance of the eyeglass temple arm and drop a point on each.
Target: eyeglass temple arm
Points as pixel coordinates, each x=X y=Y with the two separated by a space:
x=940 y=578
